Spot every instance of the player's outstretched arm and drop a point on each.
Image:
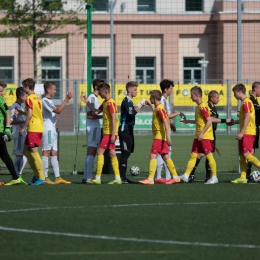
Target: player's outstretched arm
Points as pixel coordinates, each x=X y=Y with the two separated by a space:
x=84 y=98
x=58 y=109
x=149 y=104
x=140 y=105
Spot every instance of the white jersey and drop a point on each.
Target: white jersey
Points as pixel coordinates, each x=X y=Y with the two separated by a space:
x=93 y=100
x=166 y=104
x=49 y=117
x=16 y=128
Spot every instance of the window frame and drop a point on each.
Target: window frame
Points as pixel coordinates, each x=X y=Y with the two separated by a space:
x=192 y=69
x=195 y=11
x=8 y=68
x=101 y=68
x=146 y=11
x=145 y=69
x=101 y=11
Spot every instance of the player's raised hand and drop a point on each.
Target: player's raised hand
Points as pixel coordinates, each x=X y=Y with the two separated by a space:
x=182 y=115
x=184 y=121
x=69 y=94
x=230 y=121
x=84 y=98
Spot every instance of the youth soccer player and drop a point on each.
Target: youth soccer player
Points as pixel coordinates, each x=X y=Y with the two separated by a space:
x=5 y=136
x=166 y=86
x=253 y=97
x=17 y=122
x=93 y=132
x=110 y=133
x=213 y=99
x=49 y=137
x=203 y=138
x=34 y=125
x=161 y=139
x=126 y=128
x=247 y=131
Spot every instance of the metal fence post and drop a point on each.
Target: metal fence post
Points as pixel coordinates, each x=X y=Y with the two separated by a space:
x=229 y=105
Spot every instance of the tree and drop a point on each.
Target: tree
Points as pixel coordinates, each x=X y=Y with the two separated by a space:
x=32 y=20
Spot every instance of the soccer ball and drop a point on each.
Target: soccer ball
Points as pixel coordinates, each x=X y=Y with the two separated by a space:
x=255 y=176
x=134 y=170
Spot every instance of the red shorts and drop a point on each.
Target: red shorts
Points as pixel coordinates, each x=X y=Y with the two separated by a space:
x=105 y=143
x=33 y=139
x=204 y=146
x=159 y=146
x=246 y=144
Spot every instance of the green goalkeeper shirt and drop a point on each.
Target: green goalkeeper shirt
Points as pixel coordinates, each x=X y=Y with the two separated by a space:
x=3 y=112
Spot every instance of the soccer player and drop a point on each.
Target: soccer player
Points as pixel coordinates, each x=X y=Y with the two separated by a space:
x=17 y=122
x=34 y=124
x=93 y=132
x=49 y=137
x=126 y=128
x=247 y=132
x=253 y=97
x=110 y=133
x=5 y=136
x=213 y=99
x=166 y=86
x=203 y=138
x=161 y=139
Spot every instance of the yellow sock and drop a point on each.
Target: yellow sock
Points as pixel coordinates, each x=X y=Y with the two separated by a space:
x=38 y=164
x=243 y=166
x=212 y=164
x=31 y=163
x=100 y=164
x=152 y=168
x=191 y=163
x=115 y=166
x=171 y=167
x=252 y=159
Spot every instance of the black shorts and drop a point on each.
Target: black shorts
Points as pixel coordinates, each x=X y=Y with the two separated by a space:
x=127 y=142
x=256 y=142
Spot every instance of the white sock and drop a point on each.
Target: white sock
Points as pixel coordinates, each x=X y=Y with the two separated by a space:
x=159 y=171
x=167 y=172
x=88 y=167
x=18 y=164
x=24 y=163
x=45 y=162
x=55 y=166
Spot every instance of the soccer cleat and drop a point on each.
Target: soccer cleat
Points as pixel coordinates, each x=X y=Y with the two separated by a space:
x=115 y=182
x=39 y=182
x=206 y=180
x=173 y=181
x=191 y=178
x=2 y=183
x=13 y=182
x=34 y=179
x=21 y=180
x=184 y=177
x=212 y=180
x=59 y=180
x=94 y=181
x=49 y=181
x=127 y=181
x=146 y=182
x=161 y=181
x=239 y=181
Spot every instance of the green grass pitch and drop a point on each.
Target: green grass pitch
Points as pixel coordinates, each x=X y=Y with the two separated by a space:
x=181 y=221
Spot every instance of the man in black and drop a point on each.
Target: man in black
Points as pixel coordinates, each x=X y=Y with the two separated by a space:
x=126 y=128
x=253 y=97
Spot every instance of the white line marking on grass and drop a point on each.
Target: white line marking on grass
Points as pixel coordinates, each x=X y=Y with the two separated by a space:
x=19 y=202
x=177 y=203
x=34 y=209
x=130 y=239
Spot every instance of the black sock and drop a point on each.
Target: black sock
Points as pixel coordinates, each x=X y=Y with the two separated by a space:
x=123 y=164
x=195 y=167
x=208 y=171
x=249 y=169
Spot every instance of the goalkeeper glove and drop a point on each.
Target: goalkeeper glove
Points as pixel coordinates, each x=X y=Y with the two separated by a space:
x=182 y=116
x=142 y=103
x=7 y=134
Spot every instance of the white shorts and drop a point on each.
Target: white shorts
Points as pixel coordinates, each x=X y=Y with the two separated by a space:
x=18 y=143
x=93 y=133
x=49 y=140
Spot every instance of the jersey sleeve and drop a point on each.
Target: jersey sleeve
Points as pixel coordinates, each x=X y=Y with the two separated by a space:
x=13 y=116
x=162 y=113
x=48 y=105
x=129 y=108
x=3 y=106
x=205 y=112
x=112 y=107
x=247 y=107
x=29 y=103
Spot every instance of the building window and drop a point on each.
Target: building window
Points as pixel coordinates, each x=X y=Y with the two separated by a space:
x=100 y=68
x=7 y=69
x=52 y=5
x=51 y=71
x=145 y=70
x=191 y=71
x=194 y=5
x=100 y=6
x=146 y=5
